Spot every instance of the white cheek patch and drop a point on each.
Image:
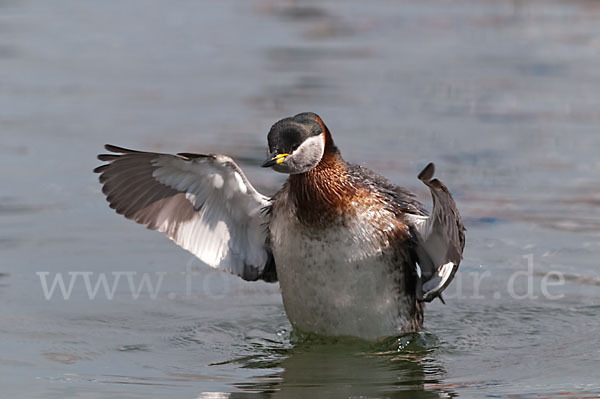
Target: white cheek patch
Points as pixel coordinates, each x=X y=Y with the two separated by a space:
x=308 y=154
x=305 y=157
x=314 y=144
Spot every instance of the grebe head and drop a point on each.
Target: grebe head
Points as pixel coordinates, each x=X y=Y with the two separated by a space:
x=296 y=144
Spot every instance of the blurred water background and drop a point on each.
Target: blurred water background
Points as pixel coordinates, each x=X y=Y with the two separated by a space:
x=504 y=96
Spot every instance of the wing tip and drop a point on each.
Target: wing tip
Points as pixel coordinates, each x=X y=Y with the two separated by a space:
x=108 y=157
x=190 y=156
x=116 y=154
x=427 y=173
x=441 y=298
x=119 y=150
x=101 y=168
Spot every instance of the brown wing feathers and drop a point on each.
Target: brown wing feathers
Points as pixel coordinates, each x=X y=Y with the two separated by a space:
x=133 y=192
x=443 y=199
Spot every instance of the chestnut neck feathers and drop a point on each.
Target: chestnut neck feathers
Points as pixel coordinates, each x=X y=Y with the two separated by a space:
x=325 y=191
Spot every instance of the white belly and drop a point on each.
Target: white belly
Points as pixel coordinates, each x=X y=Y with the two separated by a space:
x=339 y=281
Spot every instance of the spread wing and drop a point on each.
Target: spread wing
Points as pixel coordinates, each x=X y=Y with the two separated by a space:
x=204 y=203
x=440 y=239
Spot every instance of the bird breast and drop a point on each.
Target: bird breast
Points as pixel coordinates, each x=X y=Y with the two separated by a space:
x=344 y=278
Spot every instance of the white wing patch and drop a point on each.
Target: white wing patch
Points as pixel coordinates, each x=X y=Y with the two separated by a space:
x=440 y=279
x=204 y=203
